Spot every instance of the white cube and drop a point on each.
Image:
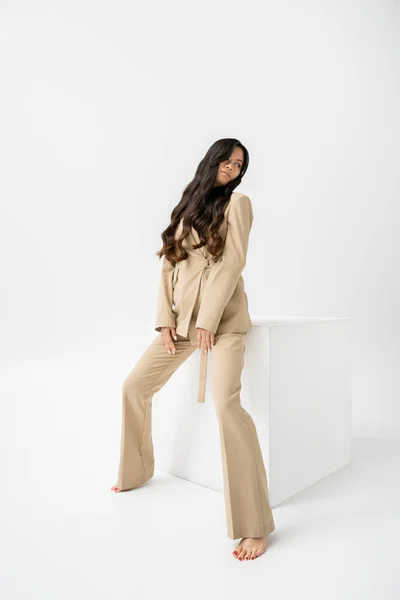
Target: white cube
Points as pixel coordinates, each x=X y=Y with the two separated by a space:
x=296 y=385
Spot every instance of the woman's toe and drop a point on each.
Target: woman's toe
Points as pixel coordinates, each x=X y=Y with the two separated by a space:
x=237 y=551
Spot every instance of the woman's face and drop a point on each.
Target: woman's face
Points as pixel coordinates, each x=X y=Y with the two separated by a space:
x=230 y=169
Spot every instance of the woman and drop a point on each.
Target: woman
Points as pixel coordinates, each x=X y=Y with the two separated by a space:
x=202 y=305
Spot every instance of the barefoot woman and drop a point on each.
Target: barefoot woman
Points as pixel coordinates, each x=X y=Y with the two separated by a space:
x=202 y=305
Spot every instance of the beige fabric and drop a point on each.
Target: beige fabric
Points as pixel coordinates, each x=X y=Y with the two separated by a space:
x=248 y=513
x=212 y=292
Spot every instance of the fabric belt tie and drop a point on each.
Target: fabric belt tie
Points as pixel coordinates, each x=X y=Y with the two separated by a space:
x=203 y=376
x=203 y=364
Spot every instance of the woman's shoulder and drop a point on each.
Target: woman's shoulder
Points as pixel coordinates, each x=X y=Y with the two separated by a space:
x=238 y=196
x=239 y=201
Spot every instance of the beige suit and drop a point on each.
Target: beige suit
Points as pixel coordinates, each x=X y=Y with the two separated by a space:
x=199 y=293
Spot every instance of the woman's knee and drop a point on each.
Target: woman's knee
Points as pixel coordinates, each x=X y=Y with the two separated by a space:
x=226 y=398
x=134 y=383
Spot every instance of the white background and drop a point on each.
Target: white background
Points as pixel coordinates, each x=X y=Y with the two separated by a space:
x=106 y=110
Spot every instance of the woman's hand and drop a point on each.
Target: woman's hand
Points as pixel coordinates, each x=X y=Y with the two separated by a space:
x=205 y=339
x=167 y=333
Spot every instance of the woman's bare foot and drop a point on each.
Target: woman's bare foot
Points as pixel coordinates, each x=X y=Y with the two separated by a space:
x=250 y=548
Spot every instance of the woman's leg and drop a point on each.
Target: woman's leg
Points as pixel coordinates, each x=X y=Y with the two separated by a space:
x=248 y=512
x=151 y=372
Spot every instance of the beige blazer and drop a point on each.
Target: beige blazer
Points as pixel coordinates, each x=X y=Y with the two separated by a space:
x=197 y=292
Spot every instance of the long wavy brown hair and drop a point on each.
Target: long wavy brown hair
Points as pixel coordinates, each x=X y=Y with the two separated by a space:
x=202 y=206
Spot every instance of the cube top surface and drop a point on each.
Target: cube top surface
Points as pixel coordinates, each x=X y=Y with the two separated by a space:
x=262 y=320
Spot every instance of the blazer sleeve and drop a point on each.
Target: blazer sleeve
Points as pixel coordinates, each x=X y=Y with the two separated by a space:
x=165 y=317
x=224 y=276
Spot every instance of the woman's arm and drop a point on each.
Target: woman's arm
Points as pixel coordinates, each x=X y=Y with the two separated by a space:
x=165 y=316
x=224 y=276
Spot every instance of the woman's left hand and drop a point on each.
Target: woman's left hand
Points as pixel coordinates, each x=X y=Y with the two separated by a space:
x=205 y=339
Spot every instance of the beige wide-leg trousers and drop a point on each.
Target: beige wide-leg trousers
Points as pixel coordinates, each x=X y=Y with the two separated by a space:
x=248 y=513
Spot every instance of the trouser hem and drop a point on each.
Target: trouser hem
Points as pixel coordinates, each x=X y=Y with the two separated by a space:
x=259 y=532
x=136 y=484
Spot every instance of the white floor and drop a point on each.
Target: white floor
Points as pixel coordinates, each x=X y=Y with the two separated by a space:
x=64 y=534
